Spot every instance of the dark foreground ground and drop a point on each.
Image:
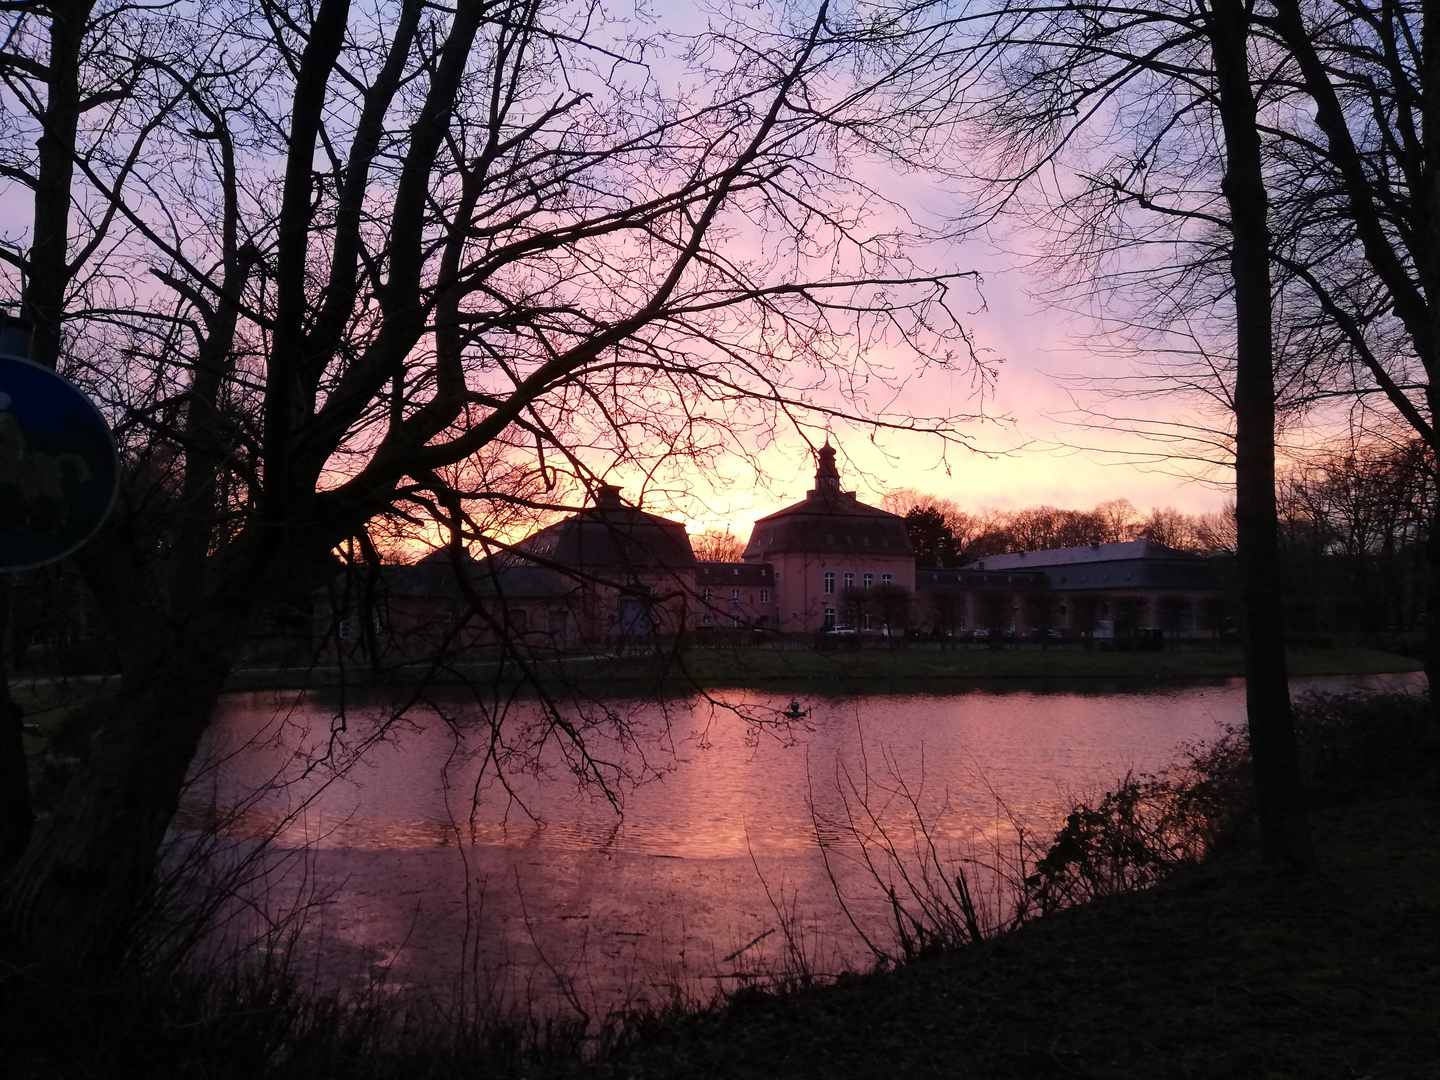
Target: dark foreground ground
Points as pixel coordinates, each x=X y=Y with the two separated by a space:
x=1223 y=971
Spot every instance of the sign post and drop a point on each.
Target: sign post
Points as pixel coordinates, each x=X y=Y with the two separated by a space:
x=59 y=471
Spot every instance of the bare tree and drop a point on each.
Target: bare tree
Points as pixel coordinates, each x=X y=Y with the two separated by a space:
x=1118 y=520
x=1152 y=113
x=325 y=256
x=1168 y=526
x=714 y=545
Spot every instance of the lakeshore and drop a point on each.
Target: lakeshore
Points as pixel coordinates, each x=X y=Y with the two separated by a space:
x=1224 y=970
x=761 y=667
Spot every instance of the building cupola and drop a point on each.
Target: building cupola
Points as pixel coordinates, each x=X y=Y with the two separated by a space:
x=827 y=476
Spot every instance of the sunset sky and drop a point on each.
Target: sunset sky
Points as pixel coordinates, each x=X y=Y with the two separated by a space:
x=1041 y=453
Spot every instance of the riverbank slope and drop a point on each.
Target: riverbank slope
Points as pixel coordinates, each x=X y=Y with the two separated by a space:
x=762 y=666
x=1225 y=970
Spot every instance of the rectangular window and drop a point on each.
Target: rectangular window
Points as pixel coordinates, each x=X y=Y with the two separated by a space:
x=849 y=581
x=830 y=617
x=734 y=596
x=764 y=596
x=867 y=621
x=829 y=589
x=887 y=579
x=868 y=580
x=707 y=595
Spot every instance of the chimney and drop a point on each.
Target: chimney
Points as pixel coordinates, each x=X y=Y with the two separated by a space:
x=607 y=497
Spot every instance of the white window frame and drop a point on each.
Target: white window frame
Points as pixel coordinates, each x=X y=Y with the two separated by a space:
x=828 y=583
x=867 y=580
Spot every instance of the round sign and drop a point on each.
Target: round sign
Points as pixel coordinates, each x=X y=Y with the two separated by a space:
x=58 y=468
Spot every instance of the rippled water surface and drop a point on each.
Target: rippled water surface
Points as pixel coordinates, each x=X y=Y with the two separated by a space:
x=420 y=855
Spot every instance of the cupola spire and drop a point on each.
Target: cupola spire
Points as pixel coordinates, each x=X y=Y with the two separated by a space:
x=827 y=476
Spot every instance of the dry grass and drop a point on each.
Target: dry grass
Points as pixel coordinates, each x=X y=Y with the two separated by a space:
x=1224 y=970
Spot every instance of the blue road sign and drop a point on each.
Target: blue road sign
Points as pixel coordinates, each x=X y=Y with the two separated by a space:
x=58 y=468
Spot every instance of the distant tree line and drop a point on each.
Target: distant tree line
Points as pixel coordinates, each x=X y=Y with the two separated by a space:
x=946 y=535
x=1354 y=527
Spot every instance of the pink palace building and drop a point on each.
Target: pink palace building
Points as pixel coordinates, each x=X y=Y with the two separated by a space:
x=836 y=562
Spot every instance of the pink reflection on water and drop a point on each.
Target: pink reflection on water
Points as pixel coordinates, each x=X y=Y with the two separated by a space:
x=421 y=859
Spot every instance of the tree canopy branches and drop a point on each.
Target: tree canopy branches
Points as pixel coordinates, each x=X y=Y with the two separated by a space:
x=327 y=264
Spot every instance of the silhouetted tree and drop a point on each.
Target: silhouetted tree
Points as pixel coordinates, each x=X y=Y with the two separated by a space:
x=714 y=545
x=930 y=533
x=321 y=263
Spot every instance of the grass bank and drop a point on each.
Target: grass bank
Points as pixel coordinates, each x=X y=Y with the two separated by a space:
x=758 y=667
x=747 y=667
x=1225 y=970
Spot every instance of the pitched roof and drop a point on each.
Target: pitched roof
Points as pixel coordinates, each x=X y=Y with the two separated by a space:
x=829 y=520
x=1134 y=564
x=505 y=575
x=733 y=573
x=1073 y=556
x=616 y=535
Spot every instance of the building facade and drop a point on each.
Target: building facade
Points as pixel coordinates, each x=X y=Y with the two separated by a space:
x=837 y=563
x=735 y=595
x=614 y=575
x=1109 y=590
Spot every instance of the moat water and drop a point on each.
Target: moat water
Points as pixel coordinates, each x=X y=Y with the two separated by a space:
x=696 y=844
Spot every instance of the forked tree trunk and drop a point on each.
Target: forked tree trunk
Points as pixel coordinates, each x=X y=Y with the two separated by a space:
x=74 y=896
x=1284 y=825
x=1429 y=268
x=17 y=819
x=1431 y=741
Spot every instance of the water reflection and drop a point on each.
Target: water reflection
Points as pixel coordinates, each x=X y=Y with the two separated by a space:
x=428 y=850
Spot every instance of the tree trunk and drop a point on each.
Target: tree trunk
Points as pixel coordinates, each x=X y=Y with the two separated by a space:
x=1284 y=826
x=74 y=897
x=49 y=269
x=17 y=819
x=1429 y=268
